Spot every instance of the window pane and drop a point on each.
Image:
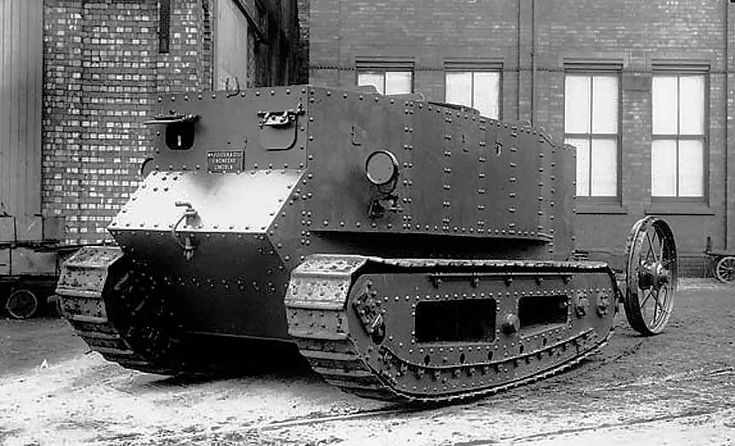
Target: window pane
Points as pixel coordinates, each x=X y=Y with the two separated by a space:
x=604 y=177
x=663 y=168
x=459 y=88
x=371 y=78
x=605 y=104
x=691 y=105
x=691 y=169
x=577 y=104
x=583 y=165
x=397 y=82
x=487 y=93
x=664 y=105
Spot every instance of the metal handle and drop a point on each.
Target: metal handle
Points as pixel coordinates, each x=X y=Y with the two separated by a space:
x=189 y=214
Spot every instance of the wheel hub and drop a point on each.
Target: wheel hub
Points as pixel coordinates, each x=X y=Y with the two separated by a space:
x=653 y=275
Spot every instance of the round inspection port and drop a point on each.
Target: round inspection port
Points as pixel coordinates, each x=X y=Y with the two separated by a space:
x=381 y=167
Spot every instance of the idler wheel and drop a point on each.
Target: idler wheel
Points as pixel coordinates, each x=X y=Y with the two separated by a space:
x=651 y=275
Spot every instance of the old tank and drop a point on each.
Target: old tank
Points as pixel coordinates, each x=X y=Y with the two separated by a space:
x=408 y=250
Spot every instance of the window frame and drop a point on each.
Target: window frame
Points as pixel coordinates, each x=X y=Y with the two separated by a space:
x=592 y=70
x=382 y=65
x=476 y=66
x=673 y=69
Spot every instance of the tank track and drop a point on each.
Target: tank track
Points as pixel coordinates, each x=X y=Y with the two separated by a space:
x=81 y=287
x=322 y=325
x=341 y=366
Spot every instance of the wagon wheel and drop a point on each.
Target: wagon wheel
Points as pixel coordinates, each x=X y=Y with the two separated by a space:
x=651 y=275
x=22 y=304
x=725 y=269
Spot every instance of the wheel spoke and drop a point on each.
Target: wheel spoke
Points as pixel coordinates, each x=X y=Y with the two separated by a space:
x=661 y=303
x=729 y=269
x=650 y=247
x=655 y=311
x=725 y=269
x=645 y=298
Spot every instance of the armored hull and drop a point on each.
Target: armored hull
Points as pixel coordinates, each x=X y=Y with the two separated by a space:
x=408 y=250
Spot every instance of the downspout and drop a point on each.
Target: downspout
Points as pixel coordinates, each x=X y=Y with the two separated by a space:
x=727 y=123
x=339 y=44
x=518 y=66
x=533 y=62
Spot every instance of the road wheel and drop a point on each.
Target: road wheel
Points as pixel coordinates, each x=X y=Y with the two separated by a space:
x=22 y=304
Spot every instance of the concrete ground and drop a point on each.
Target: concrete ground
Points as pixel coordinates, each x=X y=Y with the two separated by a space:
x=674 y=389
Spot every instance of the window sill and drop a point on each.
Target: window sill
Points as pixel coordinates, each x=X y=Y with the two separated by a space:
x=601 y=208
x=678 y=208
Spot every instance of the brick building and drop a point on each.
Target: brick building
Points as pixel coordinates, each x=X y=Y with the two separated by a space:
x=644 y=90
x=105 y=62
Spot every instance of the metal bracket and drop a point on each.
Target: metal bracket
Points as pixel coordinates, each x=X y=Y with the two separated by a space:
x=380 y=205
x=367 y=307
x=280 y=118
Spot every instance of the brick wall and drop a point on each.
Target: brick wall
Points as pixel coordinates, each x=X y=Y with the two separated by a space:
x=188 y=64
x=103 y=71
x=99 y=74
x=633 y=32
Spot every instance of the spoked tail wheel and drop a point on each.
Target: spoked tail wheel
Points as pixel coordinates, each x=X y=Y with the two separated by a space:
x=725 y=269
x=651 y=275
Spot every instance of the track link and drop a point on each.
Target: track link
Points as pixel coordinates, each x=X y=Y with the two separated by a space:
x=327 y=332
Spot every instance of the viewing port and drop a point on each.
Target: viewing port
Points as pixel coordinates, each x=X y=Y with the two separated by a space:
x=539 y=312
x=456 y=321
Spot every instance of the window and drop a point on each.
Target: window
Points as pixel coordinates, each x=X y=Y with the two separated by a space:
x=591 y=110
x=387 y=82
x=677 y=146
x=477 y=89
